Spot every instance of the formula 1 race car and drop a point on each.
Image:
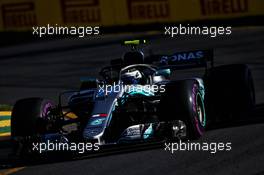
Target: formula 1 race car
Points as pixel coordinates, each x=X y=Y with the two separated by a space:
x=137 y=101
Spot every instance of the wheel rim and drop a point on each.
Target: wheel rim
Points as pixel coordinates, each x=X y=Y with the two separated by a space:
x=46 y=109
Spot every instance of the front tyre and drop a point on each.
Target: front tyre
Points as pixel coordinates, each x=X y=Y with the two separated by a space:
x=29 y=119
x=183 y=101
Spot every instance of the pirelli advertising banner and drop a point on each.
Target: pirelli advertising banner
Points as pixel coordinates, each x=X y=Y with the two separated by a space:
x=23 y=14
x=151 y=11
x=18 y=14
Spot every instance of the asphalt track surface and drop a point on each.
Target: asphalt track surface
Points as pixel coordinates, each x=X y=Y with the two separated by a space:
x=32 y=71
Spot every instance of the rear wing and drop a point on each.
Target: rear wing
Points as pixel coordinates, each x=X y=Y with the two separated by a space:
x=183 y=60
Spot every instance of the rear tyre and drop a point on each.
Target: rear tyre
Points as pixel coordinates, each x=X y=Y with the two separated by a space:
x=230 y=92
x=183 y=101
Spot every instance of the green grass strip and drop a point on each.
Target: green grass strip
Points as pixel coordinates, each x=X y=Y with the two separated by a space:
x=5 y=118
x=5 y=129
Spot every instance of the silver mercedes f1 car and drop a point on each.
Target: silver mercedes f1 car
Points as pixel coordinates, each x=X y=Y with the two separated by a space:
x=136 y=101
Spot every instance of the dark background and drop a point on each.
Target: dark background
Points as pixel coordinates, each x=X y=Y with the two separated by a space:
x=32 y=66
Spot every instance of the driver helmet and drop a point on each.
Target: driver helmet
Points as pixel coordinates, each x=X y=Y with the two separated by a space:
x=132 y=77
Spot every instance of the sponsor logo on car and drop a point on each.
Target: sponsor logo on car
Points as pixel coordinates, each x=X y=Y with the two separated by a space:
x=181 y=57
x=133 y=131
